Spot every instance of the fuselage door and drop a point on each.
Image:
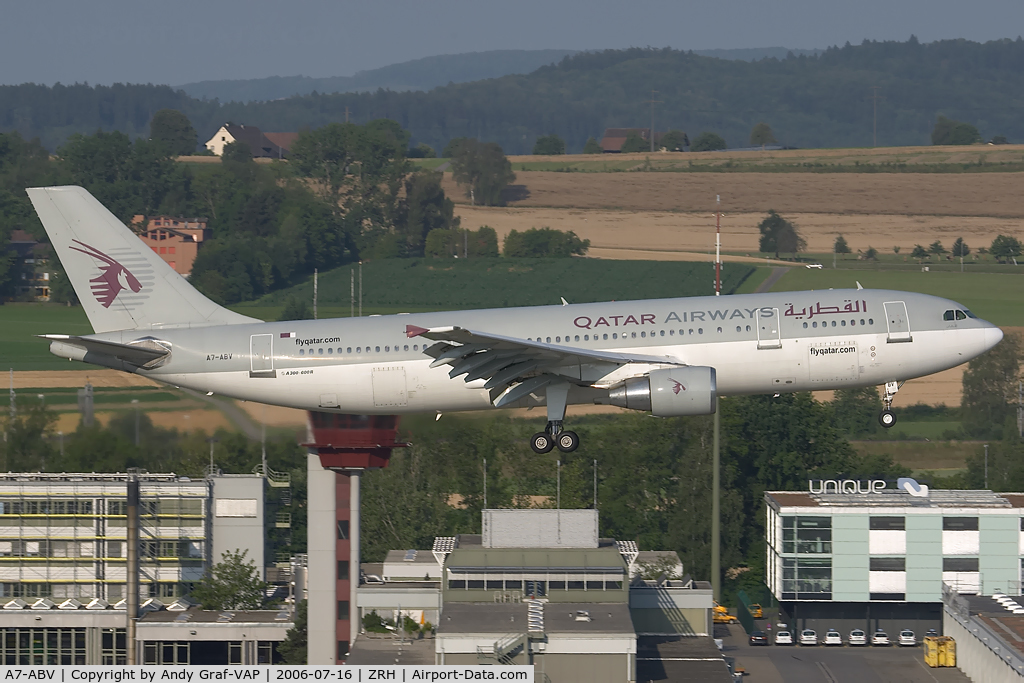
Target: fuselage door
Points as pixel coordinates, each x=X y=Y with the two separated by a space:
x=897 y=321
x=261 y=357
x=389 y=386
x=769 y=335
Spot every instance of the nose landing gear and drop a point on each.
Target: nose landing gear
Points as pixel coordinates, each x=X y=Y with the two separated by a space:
x=887 y=418
x=553 y=434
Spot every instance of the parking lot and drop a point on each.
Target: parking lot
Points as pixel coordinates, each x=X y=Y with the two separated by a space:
x=820 y=664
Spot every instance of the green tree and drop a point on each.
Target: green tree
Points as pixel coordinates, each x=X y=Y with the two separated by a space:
x=999 y=140
x=544 y=242
x=231 y=584
x=920 y=253
x=990 y=388
x=871 y=254
x=237 y=152
x=708 y=142
x=949 y=132
x=482 y=243
x=173 y=129
x=294 y=648
x=855 y=411
x=593 y=147
x=675 y=141
x=549 y=145
x=936 y=248
x=452 y=148
x=960 y=248
x=483 y=169
x=61 y=291
x=296 y=309
x=840 y=246
x=635 y=143
x=762 y=135
x=779 y=235
x=1005 y=248
x=423 y=209
x=421 y=151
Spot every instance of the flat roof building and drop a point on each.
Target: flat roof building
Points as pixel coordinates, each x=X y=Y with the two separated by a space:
x=865 y=554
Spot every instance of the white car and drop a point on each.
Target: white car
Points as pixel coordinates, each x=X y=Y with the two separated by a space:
x=833 y=638
x=783 y=638
x=907 y=638
x=813 y=265
x=857 y=637
x=880 y=638
x=808 y=637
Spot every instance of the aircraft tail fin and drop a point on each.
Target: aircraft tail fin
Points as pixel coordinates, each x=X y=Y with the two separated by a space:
x=122 y=283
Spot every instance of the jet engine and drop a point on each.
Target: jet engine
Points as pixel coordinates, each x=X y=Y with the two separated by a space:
x=672 y=392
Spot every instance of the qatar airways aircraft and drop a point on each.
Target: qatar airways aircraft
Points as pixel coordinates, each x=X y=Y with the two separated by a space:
x=670 y=357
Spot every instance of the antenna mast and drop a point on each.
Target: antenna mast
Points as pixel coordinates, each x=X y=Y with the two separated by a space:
x=718 y=245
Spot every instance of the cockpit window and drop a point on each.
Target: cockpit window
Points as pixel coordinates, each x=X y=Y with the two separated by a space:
x=949 y=315
x=969 y=314
x=960 y=315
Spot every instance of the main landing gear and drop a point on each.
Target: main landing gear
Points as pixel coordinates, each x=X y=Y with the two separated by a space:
x=887 y=418
x=553 y=434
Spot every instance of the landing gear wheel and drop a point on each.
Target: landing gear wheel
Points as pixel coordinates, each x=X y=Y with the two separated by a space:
x=887 y=418
x=541 y=442
x=568 y=441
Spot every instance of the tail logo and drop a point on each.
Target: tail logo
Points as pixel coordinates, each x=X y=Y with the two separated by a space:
x=676 y=386
x=112 y=279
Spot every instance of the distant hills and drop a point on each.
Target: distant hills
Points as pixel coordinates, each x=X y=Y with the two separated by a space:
x=809 y=100
x=424 y=74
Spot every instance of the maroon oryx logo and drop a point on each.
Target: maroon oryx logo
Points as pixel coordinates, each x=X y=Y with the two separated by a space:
x=112 y=279
x=676 y=386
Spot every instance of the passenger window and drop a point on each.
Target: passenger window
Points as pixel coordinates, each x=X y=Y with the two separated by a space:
x=330 y=351
x=871 y=321
x=843 y=323
x=605 y=336
x=833 y=323
x=633 y=335
x=549 y=340
x=387 y=348
x=748 y=328
x=862 y=321
x=359 y=349
x=719 y=330
x=739 y=329
x=302 y=352
x=814 y=324
x=377 y=349
x=348 y=350
x=405 y=348
x=805 y=327
x=642 y=334
x=415 y=347
x=671 y=333
x=853 y=323
x=615 y=335
x=586 y=337
x=576 y=338
x=700 y=330
x=960 y=315
x=691 y=331
x=948 y=315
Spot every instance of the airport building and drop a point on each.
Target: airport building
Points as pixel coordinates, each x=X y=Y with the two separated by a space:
x=64 y=559
x=864 y=554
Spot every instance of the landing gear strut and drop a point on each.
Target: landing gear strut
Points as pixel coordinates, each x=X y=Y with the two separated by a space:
x=553 y=434
x=887 y=418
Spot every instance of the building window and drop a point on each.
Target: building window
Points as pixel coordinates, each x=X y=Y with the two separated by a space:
x=478 y=585
x=343 y=529
x=556 y=585
x=113 y=647
x=494 y=585
x=807 y=535
x=234 y=652
x=898 y=597
x=342 y=649
x=265 y=652
x=456 y=584
x=574 y=585
x=342 y=570
x=888 y=523
x=888 y=564
x=959 y=564
x=807 y=579
x=513 y=585
x=342 y=610
x=959 y=523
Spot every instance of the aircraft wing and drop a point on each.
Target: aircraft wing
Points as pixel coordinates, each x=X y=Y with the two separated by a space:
x=529 y=365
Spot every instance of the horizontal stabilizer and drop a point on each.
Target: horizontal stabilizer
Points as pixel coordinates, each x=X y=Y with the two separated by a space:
x=143 y=353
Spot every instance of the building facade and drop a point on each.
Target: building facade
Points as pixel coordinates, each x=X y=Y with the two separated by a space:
x=864 y=554
x=176 y=240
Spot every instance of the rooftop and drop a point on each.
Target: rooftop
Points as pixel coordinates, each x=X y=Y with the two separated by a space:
x=891 y=498
x=197 y=615
x=569 y=618
x=537 y=559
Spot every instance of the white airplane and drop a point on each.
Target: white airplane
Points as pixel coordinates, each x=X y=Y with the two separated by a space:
x=670 y=357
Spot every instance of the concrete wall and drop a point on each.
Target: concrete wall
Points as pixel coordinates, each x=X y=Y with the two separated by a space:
x=238 y=518
x=974 y=657
x=594 y=668
x=850 y=557
x=322 y=565
x=540 y=528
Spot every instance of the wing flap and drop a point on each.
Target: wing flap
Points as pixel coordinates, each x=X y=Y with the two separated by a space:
x=143 y=353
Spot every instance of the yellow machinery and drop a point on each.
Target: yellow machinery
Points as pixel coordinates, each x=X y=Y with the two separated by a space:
x=939 y=651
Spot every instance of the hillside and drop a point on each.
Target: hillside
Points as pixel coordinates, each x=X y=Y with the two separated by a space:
x=809 y=101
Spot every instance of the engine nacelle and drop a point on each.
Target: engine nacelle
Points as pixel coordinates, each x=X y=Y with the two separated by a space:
x=674 y=392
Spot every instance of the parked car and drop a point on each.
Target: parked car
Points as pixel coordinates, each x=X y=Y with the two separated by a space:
x=816 y=266
x=833 y=637
x=857 y=638
x=758 y=638
x=880 y=638
x=783 y=638
x=808 y=637
x=907 y=638
x=932 y=632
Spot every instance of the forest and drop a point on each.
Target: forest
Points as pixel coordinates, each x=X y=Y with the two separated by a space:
x=824 y=100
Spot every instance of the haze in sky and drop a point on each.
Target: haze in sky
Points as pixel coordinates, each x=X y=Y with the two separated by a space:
x=108 y=41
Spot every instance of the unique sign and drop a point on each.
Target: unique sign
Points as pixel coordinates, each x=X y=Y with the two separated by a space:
x=865 y=487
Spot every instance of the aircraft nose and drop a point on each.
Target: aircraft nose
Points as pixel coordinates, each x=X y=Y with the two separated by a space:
x=993 y=335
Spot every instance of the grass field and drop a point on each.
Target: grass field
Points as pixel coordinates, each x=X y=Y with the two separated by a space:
x=21 y=350
x=439 y=284
x=996 y=297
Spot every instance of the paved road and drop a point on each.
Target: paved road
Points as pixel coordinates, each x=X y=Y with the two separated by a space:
x=831 y=665
x=770 y=281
